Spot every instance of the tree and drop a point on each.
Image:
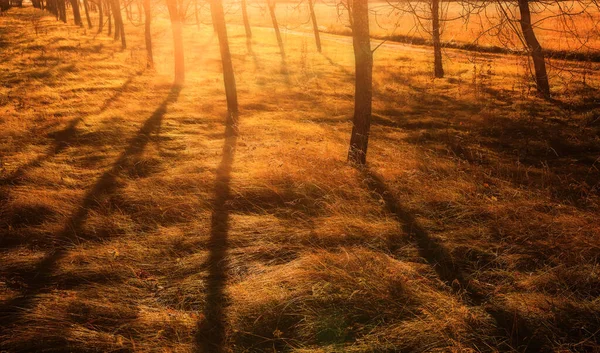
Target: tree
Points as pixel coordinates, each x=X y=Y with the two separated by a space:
x=175 y=12
x=216 y=9
x=313 y=18
x=76 y=12
x=535 y=49
x=108 y=14
x=100 y=17
x=427 y=18
x=86 y=8
x=62 y=10
x=119 y=27
x=148 y=34
x=271 y=4
x=438 y=68
x=363 y=87
x=246 y=21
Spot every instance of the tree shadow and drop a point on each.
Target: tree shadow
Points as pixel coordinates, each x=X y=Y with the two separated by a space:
x=211 y=329
x=40 y=278
x=430 y=248
x=251 y=52
x=61 y=140
x=509 y=327
x=285 y=71
x=530 y=143
x=349 y=75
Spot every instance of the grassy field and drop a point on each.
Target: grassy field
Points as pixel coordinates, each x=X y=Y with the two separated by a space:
x=577 y=32
x=129 y=221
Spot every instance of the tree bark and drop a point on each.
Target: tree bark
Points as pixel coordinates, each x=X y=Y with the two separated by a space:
x=176 y=27
x=437 y=44
x=86 y=8
x=313 y=18
x=246 y=21
x=363 y=90
x=62 y=10
x=148 y=34
x=119 y=27
x=100 y=17
x=537 y=55
x=276 y=27
x=216 y=7
x=108 y=13
x=76 y=12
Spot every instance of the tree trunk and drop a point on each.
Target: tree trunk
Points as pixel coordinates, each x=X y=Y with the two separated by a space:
x=62 y=10
x=109 y=15
x=86 y=8
x=276 y=27
x=148 y=34
x=119 y=27
x=117 y=32
x=76 y=13
x=52 y=8
x=216 y=7
x=128 y=11
x=437 y=44
x=537 y=55
x=176 y=27
x=100 y=17
x=363 y=90
x=313 y=18
x=246 y=21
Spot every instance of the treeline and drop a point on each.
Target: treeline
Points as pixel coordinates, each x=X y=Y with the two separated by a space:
x=429 y=13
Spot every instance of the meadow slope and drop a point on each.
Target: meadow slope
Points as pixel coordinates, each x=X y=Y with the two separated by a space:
x=130 y=221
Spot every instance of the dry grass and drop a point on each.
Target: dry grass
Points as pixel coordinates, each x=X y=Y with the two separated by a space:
x=129 y=220
x=461 y=24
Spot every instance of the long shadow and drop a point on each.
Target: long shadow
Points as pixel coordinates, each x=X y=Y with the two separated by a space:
x=429 y=248
x=39 y=279
x=285 y=71
x=62 y=139
x=538 y=135
x=510 y=327
x=210 y=336
x=342 y=68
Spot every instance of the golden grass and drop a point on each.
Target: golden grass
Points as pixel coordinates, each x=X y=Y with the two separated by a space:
x=577 y=31
x=129 y=221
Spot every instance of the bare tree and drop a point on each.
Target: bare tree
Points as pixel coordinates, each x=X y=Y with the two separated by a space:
x=437 y=43
x=100 y=17
x=535 y=49
x=313 y=17
x=86 y=8
x=271 y=4
x=427 y=15
x=76 y=12
x=246 y=21
x=108 y=14
x=363 y=87
x=216 y=7
x=62 y=10
x=148 y=34
x=175 y=13
x=119 y=27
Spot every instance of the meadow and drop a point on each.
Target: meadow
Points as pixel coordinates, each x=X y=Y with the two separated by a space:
x=463 y=23
x=130 y=221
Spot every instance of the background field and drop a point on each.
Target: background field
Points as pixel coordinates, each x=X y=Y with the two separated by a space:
x=129 y=222
x=577 y=32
